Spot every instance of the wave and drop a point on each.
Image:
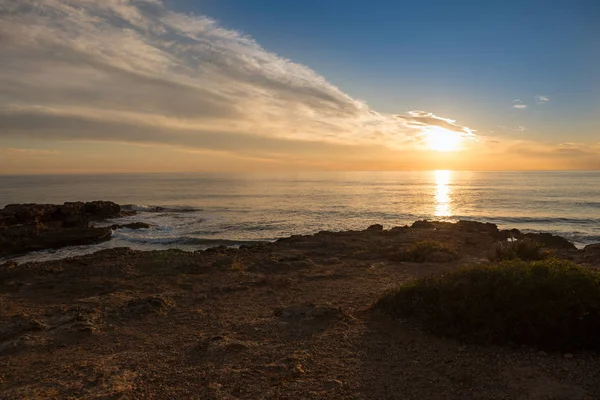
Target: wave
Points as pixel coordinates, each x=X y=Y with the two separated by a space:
x=532 y=220
x=181 y=240
x=159 y=209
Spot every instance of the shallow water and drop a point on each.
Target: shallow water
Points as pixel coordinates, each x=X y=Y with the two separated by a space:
x=204 y=210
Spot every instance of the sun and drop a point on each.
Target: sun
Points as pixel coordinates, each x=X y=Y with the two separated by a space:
x=444 y=140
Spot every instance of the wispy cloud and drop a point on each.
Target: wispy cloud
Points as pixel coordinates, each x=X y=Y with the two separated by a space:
x=517 y=103
x=10 y=151
x=542 y=99
x=135 y=71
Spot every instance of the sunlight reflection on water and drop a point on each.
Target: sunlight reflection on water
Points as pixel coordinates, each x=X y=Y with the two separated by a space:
x=443 y=192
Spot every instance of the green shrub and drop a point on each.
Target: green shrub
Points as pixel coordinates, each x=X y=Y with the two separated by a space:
x=420 y=251
x=524 y=249
x=551 y=304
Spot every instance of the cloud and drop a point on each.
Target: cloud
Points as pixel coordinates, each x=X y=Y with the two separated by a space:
x=134 y=71
x=8 y=151
x=542 y=99
x=424 y=119
x=517 y=103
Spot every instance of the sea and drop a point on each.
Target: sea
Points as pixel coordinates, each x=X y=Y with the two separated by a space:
x=193 y=211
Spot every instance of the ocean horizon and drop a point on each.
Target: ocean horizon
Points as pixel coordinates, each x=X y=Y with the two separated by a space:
x=193 y=211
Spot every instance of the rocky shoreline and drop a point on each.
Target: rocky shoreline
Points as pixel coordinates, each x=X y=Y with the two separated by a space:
x=285 y=320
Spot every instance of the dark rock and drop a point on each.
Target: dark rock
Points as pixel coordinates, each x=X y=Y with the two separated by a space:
x=591 y=254
x=152 y=304
x=509 y=233
x=51 y=239
x=422 y=225
x=98 y=210
x=473 y=226
x=71 y=215
x=18 y=325
x=551 y=241
x=376 y=227
x=133 y=225
x=16 y=214
x=29 y=227
x=399 y=229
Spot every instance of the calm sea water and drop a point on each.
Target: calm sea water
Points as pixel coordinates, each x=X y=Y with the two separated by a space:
x=204 y=210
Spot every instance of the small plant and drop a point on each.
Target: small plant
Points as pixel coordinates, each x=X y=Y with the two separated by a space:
x=238 y=265
x=551 y=304
x=421 y=251
x=524 y=249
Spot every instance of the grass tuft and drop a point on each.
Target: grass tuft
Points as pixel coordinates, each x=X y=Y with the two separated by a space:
x=551 y=304
x=524 y=249
x=421 y=251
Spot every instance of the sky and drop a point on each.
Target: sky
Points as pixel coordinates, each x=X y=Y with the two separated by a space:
x=270 y=85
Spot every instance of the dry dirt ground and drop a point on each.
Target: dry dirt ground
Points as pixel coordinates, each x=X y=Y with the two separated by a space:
x=288 y=320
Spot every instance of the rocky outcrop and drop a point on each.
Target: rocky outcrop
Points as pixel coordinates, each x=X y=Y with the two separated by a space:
x=30 y=227
x=591 y=254
x=551 y=241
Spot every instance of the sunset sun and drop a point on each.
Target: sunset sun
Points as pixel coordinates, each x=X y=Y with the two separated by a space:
x=443 y=140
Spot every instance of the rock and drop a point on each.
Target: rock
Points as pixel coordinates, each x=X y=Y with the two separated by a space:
x=422 y=225
x=376 y=227
x=551 y=241
x=332 y=384
x=98 y=210
x=19 y=324
x=474 y=226
x=133 y=225
x=591 y=254
x=16 y=344
x=568 y=355
x=151 y=304
x=509 y=234
x=30 y=227
x=11 y=244
x=71 y=215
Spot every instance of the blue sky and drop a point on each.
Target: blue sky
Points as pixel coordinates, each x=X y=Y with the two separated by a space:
x=467 y=59
x=238 y=85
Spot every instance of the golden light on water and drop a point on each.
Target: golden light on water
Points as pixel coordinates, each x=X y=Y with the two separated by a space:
x=443 y=193
x=444 y=140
